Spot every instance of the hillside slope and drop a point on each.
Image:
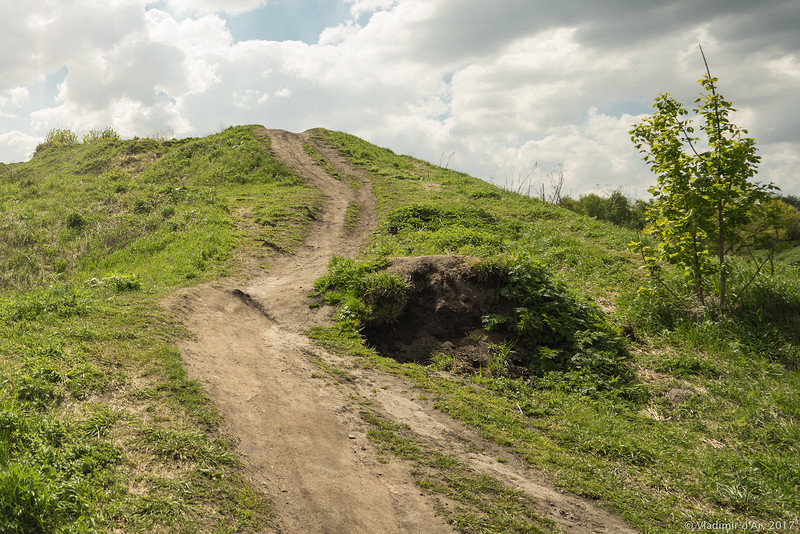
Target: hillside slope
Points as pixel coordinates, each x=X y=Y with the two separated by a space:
x=693 y=421
x=461 y=366
x=306 y=435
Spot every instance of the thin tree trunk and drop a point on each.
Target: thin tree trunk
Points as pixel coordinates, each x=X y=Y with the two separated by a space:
x=698 y=275
x=723 y=276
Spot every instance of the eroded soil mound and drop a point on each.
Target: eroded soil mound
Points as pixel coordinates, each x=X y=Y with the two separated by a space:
x=446 y=301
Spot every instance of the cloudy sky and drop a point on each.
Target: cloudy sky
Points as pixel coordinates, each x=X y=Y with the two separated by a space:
x=506 y=86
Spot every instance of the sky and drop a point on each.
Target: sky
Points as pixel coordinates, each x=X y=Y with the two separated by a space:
x=509 y=91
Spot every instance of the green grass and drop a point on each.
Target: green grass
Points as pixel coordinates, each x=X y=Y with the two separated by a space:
x=790 y=256
x=100 y=429
x=481 y=503
x=352 y=216
x=710 y=427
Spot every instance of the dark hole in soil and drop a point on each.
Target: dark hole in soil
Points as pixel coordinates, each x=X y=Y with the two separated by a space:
x=446 y=302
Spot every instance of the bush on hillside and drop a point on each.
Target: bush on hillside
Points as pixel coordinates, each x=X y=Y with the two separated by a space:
x=97 y=136
x=58 y=137
x=568 y=338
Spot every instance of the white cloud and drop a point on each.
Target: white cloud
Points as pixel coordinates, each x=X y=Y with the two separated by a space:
x=13 y=98
x=38 y=37
x=202 y=43
x=360 y=7
x=596 y=152
x=338 y=34
x=199 y=36
x=203 y=7
x=782 y=166
x=504 y=84
x=244 y=99
x=17 y=146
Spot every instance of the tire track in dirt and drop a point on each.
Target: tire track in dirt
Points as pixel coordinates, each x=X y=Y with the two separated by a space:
x=300 y=437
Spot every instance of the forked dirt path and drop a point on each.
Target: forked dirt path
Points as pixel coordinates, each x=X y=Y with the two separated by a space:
x=299 y=435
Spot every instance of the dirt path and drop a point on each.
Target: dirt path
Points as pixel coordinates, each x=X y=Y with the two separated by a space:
x=301 y=437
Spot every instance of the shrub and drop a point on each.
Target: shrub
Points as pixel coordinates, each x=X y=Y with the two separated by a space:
x=567 y=340
x=96 y=136
x=563 y=333
x=121 y=282
x=705 y=201
x=58 y=137
x=346 y=274
x=616 y=208
x=366 y=296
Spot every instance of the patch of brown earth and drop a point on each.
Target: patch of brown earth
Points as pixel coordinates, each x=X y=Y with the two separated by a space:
x=446 y=302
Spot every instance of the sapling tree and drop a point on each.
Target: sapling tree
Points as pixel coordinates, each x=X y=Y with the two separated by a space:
x=705 y=199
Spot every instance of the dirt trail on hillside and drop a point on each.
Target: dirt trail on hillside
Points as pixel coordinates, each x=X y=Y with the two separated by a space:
x=300 y=434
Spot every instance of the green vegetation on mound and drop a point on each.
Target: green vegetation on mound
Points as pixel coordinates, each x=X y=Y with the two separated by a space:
x=690 y=418
x=567 y=340
x=707 y=427
x=100 y=429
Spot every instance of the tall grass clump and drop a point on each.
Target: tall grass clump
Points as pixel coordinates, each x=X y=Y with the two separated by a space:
x=101 y=136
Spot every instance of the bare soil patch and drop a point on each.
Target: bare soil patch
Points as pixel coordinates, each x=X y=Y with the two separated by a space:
x=447 y=299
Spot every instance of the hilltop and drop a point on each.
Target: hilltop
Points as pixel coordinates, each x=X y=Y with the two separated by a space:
x=259 y=331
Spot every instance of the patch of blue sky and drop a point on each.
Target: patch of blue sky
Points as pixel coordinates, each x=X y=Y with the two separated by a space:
x=44 y=93
x=162 y=94
x=288 y=20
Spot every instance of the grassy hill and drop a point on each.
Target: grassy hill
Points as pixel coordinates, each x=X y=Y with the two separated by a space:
x=687 y=419
x=99 y=427
x=706 y=430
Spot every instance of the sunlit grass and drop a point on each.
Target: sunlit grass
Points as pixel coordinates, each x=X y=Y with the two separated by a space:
x=712 y=431
x=101 y=429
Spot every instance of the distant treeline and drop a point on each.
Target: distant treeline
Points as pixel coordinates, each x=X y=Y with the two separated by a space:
x=618 y=209
x=615 y=208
